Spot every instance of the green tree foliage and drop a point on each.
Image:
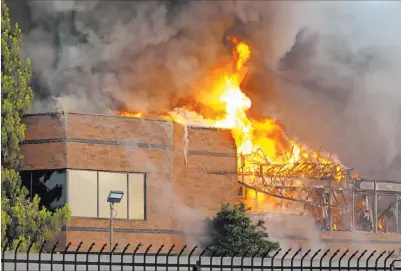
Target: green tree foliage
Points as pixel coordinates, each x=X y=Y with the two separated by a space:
x=21 y=219
x=232 y=231
x=16 y=95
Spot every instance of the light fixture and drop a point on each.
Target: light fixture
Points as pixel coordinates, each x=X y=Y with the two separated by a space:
x=115 y=196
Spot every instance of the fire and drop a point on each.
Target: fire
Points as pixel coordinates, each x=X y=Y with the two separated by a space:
x=257 y=141
x=130 y=114
x=380 y=223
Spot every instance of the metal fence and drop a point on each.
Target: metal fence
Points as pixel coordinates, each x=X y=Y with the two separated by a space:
x=194 y=259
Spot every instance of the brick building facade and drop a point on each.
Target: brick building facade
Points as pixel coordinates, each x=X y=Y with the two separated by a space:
x=172 y=177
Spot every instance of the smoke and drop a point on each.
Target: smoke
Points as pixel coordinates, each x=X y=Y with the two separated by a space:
x=340 y=85
x=176 y=214
x=292 y=230
x=328 y=71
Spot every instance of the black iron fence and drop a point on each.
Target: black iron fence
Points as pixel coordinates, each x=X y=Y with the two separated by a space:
x=140 y=258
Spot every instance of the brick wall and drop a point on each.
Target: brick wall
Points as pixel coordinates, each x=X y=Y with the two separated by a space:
x=185 y=170
x=190 y=173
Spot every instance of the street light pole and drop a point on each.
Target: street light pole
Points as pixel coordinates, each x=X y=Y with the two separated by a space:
x=111 y=225
x=114 y=197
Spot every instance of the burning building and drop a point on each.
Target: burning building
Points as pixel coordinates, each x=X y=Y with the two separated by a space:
x=177 y=167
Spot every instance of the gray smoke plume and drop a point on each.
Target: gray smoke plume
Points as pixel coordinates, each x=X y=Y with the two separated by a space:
x=329 y=71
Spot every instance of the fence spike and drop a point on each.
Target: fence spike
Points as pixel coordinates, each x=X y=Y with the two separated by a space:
x=27 y=255
x=293 y=257
x=388 y=257
x=144 y=255
x=378 y=258
x=179 y=256
x=232 y=258
x=114 y=248
x=87 y=255
x=243 y=256
x=157 y=254
x=264 y=256
x=368 y=259
x=40 y=254
x=98 y=256
x=15 y=255
x=5 y=247
x=168 y=254
x=200 y=255
x=65 y=251
x=76 y=254
x=211 y=259
x=221 y=260
x=313 y=257
x=203 y=251
x=122 y=256
x=323 y=256
x=4 y=253
x=342 y=256
x=134 y=254
x=111 y=255
x=332 y=257
x=350 y=258
x=272 y=260
x=282 y=259
x=253 y=257
x=51 y=256
x=189 y=257
x=303 y=258
x=359 y=258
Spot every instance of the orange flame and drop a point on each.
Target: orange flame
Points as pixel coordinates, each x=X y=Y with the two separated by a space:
x=262 y=141
x=130 y=114
x=380 y=223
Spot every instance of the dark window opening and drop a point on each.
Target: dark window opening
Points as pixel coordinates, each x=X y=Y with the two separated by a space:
x=26 y=181
x=49 y=185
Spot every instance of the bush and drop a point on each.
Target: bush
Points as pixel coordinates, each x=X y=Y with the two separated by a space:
x=232 y=231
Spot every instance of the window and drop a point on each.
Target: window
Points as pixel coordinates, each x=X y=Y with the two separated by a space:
x=82 y=192
x=88 y=191
x=136 y=196
x=112 y=181
x=49 y=185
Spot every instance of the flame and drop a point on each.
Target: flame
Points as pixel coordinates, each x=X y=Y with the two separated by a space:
x=130 y=114
x=257 y=141
x=380 y=223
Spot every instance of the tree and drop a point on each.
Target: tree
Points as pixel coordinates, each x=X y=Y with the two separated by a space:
x=16 y=95
x=21 y=219
x=232 y=231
